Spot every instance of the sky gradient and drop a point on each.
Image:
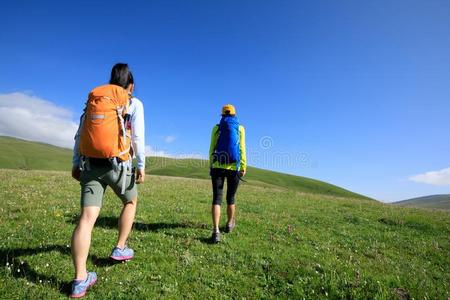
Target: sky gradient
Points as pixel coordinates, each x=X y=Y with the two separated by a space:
x=355 y=93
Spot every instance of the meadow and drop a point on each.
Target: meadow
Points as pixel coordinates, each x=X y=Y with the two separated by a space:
x=287 y=244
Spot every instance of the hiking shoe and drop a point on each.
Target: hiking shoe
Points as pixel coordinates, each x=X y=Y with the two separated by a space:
x=122 y=254
x=79 y=287
x=229 y=227
x=215 y=238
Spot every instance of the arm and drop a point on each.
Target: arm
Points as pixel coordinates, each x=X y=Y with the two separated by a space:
x=243 y=165
x=138 y=138
x=212 y=145
x=76 y=152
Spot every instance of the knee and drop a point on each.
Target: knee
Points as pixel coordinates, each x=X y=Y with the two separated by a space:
x=88 y=219
x=230 y=201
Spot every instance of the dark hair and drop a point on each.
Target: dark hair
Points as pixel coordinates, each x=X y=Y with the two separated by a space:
x=121 y=75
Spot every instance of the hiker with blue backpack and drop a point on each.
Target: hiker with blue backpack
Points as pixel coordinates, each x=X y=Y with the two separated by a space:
x=110 y=134
x=227 y=161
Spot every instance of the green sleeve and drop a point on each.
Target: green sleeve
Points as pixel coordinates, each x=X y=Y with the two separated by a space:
x=243 y=165
x=212 y=146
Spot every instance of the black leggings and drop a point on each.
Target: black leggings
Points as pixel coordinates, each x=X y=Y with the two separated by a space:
x=218 y=179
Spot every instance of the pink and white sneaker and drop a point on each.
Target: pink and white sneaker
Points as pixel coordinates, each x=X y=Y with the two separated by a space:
x=122 y=254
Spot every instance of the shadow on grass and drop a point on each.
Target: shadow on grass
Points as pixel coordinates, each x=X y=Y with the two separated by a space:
x=104 y=261
x=20 y=268
x=206 y=240
x=110 y=222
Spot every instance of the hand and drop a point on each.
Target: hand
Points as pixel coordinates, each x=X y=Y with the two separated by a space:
x=76 y=173
x=242 y=173
x=140 y=176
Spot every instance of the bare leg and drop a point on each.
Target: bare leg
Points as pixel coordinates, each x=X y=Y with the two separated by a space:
x=81 y=240
x=126 y=221
x=231 y=210
x=215 y=210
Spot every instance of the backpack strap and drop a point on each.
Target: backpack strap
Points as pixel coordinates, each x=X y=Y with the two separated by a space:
x=122 y=113
x=238 y=166
x=123 y=166
x=120 y=110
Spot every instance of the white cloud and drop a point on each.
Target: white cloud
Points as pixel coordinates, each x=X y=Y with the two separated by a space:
x=169 y=139
x=150 y=151
x=441 y=177
x=32 y=118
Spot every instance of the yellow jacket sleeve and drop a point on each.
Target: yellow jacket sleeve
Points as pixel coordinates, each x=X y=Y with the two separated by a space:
x=243 y=165
x=212 y=146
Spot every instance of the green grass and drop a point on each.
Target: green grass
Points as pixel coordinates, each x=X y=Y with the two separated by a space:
x=434 y=201
x=20 y=154
x=287 y=244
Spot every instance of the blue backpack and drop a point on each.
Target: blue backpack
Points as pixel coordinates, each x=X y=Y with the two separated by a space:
x=227 y=148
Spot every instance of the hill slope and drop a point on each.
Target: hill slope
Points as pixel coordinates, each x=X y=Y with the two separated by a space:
x=196 y=168
x=433 y=201
x=20 y=154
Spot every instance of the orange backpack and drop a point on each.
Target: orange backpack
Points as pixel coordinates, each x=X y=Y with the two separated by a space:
x=103 y=132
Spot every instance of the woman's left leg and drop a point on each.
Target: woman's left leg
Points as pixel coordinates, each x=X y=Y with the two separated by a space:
x=126 y=221
x=232 y=186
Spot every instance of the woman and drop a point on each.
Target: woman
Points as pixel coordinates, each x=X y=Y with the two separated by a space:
x=227 y=160
x=96 y=171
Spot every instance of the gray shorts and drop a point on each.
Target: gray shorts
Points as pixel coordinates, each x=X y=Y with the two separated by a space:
x=94 y=182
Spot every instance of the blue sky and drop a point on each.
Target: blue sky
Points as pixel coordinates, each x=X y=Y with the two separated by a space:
x=355 y=93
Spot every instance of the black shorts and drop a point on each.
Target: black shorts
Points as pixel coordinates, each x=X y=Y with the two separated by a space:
x=218 y=179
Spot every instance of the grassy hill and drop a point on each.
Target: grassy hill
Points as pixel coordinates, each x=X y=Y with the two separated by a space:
x=286 y=244
x=196 y=168
x=434 y=201
x=27 y=155
x=20 y=154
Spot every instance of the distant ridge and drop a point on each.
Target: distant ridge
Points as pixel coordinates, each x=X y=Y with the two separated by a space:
x=20 y=154
x=432 y=201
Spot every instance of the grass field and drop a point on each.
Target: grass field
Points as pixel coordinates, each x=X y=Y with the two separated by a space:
x=287 y=244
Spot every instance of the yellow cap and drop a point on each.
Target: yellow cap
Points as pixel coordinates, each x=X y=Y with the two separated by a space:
x=228 y=109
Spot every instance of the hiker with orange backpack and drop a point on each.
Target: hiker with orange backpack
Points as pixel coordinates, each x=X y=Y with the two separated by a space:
x=228 y=161
x=111 y=132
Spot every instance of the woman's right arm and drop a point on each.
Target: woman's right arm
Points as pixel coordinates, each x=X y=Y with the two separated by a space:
x=76 y=152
